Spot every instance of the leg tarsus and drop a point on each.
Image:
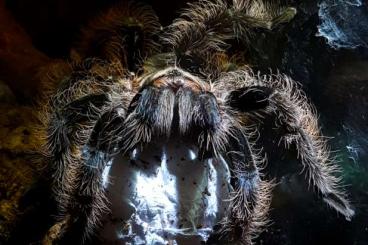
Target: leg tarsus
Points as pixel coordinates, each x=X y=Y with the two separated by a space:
x=55 y=232
x=285 y=16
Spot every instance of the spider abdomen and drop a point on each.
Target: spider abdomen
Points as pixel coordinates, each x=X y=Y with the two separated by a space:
x=164 y=193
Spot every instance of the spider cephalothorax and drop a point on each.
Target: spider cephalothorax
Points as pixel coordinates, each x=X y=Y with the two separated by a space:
x=155 y=145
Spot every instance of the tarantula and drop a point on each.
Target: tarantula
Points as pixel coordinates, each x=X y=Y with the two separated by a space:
x=151 y=137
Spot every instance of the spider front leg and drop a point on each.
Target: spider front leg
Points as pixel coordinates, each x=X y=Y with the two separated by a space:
x=250 y=200
x=299 y=118
x=68 y=128
x=88 y=199
x=79 y=151
x=279 y=95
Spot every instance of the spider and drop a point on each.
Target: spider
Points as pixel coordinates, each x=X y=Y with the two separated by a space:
x=151 y=137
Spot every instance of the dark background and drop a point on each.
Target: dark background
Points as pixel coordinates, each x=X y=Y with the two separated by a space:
x=334 y=75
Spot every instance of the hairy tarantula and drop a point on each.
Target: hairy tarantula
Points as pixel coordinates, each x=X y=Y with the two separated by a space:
x=152 y=140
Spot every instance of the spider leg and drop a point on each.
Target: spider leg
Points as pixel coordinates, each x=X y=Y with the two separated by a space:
x=69 y=128
x=124 y=33
x=151 y=111
x=78 y=150
x=206 y=115
x=201 y=112
x=113 y=132
x=300 y=121
x=279 y=95
x=206 y=25
x=89 y=201
x=250 y=200
x=66 y=158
